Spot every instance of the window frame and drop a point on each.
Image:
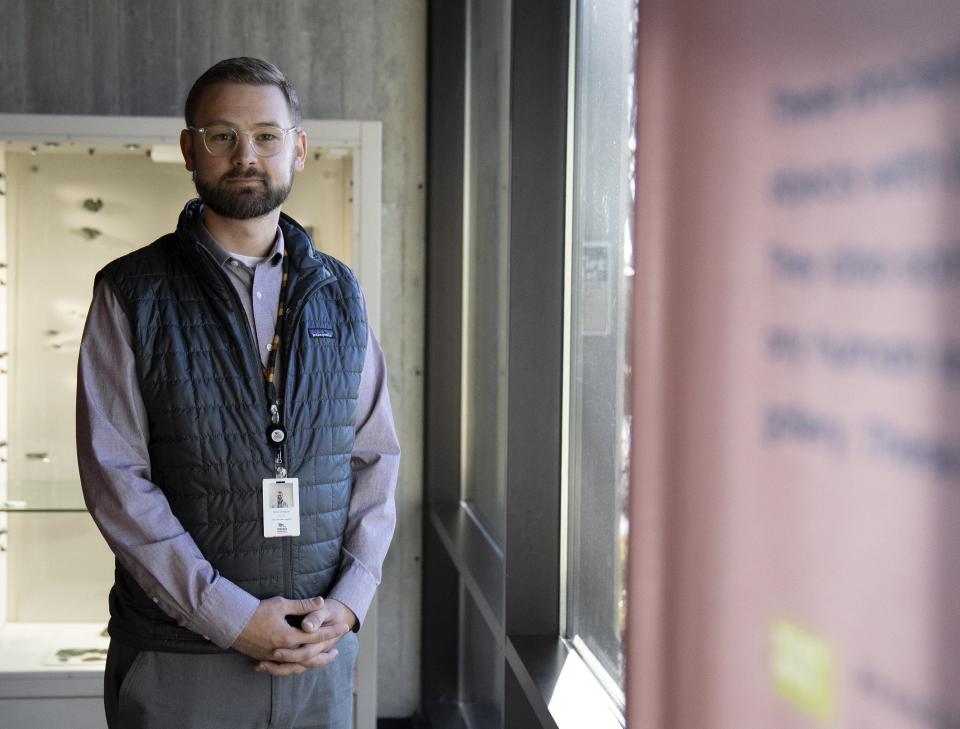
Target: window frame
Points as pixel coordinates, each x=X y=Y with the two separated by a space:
x=516 y=586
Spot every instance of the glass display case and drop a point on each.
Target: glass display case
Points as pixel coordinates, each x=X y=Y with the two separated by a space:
x=67 y=209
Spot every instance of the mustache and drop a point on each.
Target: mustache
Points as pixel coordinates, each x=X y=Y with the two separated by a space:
x=248 y=174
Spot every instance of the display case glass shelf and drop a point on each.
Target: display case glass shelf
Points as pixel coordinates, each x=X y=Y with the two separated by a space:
x=42 y=496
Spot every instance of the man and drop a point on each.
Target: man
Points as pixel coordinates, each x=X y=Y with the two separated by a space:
x=220 y=365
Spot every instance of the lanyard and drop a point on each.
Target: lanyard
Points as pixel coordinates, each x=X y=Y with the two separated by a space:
x=276 y=433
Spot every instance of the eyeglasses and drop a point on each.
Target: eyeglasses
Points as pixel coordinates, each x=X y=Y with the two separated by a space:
x=220 y=140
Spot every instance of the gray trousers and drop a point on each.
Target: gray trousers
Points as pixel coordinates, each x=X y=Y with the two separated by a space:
x=160 y=690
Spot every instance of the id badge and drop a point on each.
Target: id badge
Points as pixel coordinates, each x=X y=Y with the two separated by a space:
x=281 y=507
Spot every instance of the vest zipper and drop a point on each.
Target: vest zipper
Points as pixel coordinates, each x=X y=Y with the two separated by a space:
x=286 y=554
x=283 y=355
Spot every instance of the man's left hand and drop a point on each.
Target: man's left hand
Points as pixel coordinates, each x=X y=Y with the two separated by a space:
x=294 y=661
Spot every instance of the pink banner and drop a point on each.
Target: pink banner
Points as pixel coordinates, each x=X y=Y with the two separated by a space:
x=796 y=486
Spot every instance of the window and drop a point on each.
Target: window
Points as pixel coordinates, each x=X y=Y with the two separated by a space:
x=495 y=653
x=600 y=275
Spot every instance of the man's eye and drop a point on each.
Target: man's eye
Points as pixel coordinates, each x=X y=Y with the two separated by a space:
x=223 y=137
x=267 y=137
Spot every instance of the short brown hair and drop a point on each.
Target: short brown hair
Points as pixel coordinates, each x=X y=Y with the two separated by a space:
x=242 y=70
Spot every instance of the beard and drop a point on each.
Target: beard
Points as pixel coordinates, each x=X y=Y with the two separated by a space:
x=244 y=203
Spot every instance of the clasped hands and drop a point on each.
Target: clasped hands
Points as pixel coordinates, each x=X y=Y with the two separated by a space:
x=283 y=650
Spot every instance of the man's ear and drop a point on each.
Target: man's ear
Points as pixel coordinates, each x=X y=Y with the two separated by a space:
x=300 y=151
x=186 y=148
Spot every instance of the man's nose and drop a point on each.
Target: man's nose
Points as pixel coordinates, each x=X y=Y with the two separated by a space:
x=244 y=152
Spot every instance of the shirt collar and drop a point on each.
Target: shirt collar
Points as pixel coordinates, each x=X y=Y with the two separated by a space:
x=222 y=256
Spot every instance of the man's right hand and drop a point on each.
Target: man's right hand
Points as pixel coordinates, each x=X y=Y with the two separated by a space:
x=268 y=630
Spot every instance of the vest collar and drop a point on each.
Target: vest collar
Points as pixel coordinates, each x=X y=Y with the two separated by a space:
x=305 y=262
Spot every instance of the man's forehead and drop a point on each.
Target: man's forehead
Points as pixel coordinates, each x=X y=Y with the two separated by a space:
x=247 y=103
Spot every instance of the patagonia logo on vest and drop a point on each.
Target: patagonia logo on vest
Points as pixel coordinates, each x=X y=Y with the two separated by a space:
x=320 y=332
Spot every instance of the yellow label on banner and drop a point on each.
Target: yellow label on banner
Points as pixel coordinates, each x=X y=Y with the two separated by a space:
x=804 y=669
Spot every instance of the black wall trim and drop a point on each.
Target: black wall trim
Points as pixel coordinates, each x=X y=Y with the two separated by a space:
x=537 y=205
x=439 y=673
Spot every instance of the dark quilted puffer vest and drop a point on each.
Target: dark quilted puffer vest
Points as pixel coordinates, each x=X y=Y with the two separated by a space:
x=202 y=383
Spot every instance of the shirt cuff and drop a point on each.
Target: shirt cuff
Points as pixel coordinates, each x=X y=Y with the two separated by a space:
x=224 y=613
x=355 y=589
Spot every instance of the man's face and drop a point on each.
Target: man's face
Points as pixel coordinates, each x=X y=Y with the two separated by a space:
x=243 y=185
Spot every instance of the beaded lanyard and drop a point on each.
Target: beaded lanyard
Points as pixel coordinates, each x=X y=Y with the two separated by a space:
x=276 y=433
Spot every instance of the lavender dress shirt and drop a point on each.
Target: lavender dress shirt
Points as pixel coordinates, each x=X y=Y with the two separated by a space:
x=134 y=515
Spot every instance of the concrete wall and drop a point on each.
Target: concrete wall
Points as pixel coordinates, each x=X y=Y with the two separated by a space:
x=353 y=59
